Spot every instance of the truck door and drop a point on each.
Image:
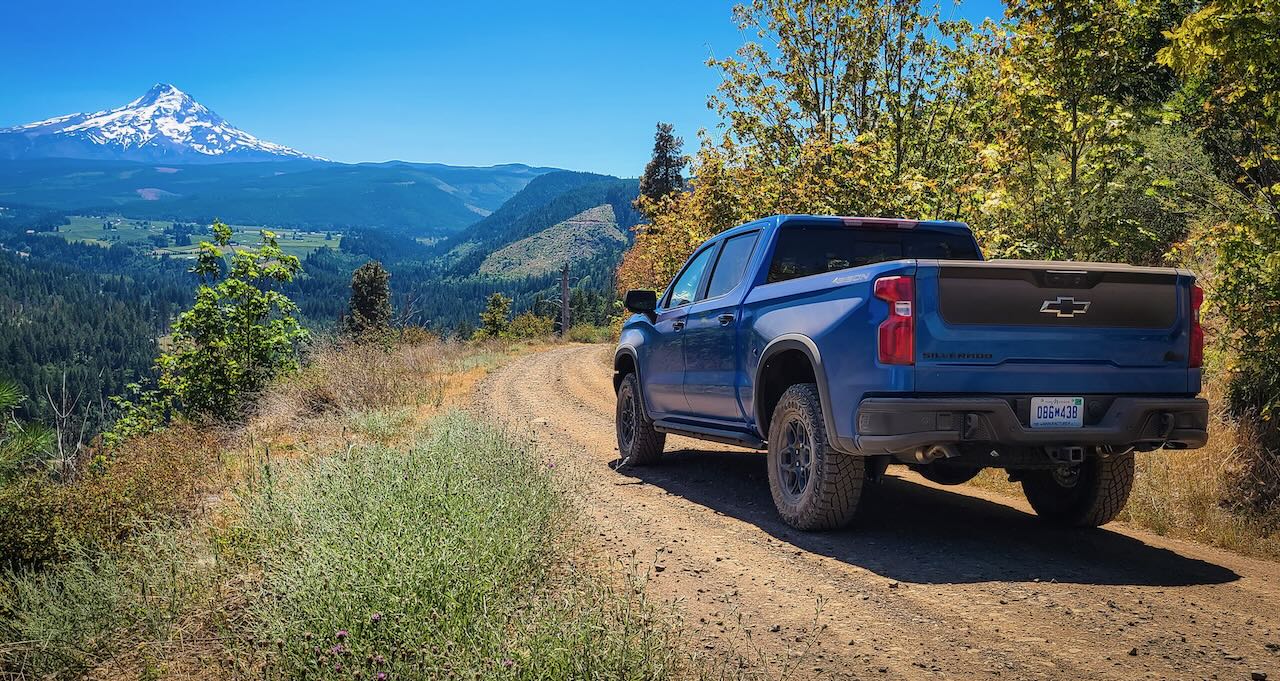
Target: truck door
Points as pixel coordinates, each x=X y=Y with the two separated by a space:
x=663 y=372
x=712 y=370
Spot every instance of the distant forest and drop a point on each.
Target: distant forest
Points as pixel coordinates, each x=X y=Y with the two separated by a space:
x=96 y=314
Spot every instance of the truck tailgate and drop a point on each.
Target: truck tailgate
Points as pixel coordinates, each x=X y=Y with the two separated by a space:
x=1052 y=328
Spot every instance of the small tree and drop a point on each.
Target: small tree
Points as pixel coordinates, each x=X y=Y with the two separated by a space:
x=665 y=172
x=370 y=308
x=495 y=320
x=21 y=444
x=238 y=335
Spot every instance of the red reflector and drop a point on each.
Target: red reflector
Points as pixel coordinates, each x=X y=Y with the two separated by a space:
x=1196 y=353
x=897 y=333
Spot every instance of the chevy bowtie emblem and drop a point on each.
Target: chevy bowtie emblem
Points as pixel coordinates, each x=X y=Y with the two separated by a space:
x=1065 y=306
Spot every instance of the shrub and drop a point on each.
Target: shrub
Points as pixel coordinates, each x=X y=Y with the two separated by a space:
x=586 y=333
x=528 y=325
x=155 y=476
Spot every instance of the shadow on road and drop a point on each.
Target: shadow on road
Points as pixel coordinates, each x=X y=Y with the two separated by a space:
x=914 y=533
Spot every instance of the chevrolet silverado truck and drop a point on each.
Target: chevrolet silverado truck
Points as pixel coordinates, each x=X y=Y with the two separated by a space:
x=842 y=345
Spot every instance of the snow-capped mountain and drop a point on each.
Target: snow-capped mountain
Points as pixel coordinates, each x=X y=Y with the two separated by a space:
x=165 y=124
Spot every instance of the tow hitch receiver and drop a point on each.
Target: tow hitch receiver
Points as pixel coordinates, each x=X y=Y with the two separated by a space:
x=1066 y=455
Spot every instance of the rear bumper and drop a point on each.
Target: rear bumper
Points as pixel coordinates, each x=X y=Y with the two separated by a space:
x=896 y=425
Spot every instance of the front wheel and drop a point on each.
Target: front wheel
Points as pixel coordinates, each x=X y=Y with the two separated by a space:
x=814 y=487
x=638 y=442
x=1089 y=494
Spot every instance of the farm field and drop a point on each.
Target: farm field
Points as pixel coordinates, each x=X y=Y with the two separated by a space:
x=108 y=230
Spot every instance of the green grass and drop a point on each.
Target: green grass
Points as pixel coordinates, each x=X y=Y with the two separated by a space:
x=453 y=557
x=94 y=230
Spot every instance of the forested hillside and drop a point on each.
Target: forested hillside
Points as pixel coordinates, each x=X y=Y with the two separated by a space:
x=88 y=313
x=416 y=199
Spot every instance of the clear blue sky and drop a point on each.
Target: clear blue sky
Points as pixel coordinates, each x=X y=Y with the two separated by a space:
x=568 y=84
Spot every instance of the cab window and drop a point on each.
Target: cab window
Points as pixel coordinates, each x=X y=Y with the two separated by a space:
x=685 y=288
x=731 y=264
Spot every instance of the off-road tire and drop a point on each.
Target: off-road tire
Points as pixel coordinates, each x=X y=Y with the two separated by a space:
x=1099 y=493
x=829 y=497
x=638 y=443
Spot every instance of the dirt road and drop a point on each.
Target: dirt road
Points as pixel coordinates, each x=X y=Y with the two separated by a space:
x=931 y=582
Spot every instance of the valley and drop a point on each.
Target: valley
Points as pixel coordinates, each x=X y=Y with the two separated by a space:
x=182 y=243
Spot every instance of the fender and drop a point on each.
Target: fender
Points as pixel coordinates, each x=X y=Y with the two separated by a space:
x=630 y=351
x=801 y=342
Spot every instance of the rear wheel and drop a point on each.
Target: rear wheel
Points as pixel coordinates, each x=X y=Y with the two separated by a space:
x=638 y=443
x=1089 y=494
x=814 y=487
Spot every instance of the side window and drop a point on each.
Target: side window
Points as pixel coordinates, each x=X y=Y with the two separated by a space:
x=731 y=264
x=686 y=286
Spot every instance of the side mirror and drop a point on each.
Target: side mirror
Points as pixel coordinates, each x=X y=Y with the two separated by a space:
x=640 y=301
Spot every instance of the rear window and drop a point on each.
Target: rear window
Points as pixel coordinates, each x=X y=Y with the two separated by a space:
x=802 y=251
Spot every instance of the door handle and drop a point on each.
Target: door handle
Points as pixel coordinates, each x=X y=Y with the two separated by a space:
x=725 y=319
x=677 y=325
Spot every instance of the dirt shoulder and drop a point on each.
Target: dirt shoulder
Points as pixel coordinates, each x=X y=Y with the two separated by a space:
x=931 y=582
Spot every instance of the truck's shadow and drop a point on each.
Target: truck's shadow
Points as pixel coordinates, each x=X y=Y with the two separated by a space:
x=914 y=533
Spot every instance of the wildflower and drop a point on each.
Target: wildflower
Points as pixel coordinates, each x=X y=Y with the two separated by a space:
x=377 y=617
x=383 y=676
x=341 y=635
x=337 y=666
x=508 y=662
x=378 y=659
x=338 y=649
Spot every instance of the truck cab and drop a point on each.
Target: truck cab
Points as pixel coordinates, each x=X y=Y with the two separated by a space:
x=842 y=345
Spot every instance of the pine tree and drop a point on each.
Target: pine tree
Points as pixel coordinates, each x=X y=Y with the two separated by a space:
x=664 y=174
x=495 y=320
x=370 y=309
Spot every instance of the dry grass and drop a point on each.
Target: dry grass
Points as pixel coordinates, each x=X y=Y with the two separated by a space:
x=312 y=411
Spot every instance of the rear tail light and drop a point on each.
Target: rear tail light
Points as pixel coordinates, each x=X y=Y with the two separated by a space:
x=897 y=333
x=1196 y=353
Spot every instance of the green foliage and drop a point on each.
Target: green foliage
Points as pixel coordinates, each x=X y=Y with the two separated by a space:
x=369 y=313
x=1229 y=53
x=239 y=334
x=22 y=445
x=463 y=530
x=496 y=318
x=582 y=333
x=528 y=325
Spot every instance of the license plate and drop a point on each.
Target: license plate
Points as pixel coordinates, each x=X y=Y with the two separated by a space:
x=1057 y=412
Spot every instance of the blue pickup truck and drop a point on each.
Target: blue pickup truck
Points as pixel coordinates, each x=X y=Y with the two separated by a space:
x=843 y=345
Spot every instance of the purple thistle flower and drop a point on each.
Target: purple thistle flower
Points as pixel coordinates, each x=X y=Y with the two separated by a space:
x=337 y=666
x=377 y=617
x=341 y=635
x=508 y=662
x=378 y=659
x=383 y=676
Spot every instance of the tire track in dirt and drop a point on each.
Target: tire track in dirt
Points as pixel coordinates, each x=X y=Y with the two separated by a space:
x=930 y=582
